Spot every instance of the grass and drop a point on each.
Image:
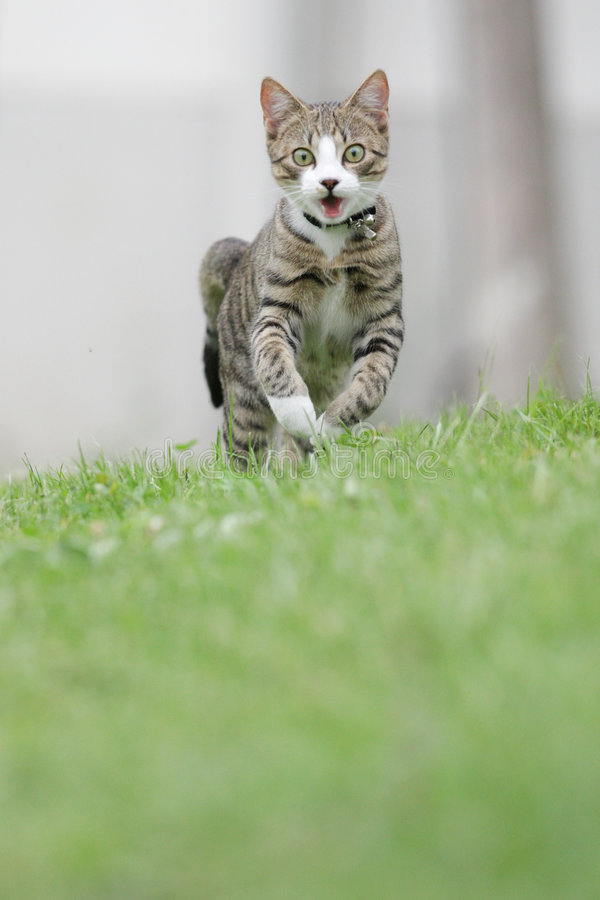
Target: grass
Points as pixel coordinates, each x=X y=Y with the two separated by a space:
x=372 y=686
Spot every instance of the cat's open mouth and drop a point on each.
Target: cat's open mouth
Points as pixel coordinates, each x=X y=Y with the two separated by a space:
x=332 y=206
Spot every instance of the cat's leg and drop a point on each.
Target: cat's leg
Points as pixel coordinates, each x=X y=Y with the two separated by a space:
x=248 y=422
x=216 y=271
x=375 y=352
x=275 y=342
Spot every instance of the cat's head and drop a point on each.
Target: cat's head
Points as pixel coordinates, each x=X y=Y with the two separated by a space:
x=328 y=157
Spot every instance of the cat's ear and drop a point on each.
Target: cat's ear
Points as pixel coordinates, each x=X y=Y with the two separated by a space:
x=277 y=104
x=373 y=96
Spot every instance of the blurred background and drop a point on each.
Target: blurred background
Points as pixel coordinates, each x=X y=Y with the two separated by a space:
x=131 y=138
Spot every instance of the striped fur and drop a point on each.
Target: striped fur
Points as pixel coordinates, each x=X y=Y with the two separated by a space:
x=305 y=323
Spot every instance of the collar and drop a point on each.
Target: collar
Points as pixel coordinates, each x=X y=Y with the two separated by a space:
x=360 y=221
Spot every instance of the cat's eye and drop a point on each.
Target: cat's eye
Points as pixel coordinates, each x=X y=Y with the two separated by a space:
x=354 y=153
x=302 y=156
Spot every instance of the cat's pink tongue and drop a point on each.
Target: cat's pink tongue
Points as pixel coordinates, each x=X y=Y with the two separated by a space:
x=332 y=206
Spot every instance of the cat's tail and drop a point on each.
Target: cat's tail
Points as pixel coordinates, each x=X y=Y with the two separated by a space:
x=216 y=270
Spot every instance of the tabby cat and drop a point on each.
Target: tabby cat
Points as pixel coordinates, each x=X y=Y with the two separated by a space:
x=317 y=296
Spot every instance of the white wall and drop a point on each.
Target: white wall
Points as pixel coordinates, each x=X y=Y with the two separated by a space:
x=570 y=31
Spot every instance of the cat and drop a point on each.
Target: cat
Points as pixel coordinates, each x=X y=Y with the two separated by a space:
x=317 y=296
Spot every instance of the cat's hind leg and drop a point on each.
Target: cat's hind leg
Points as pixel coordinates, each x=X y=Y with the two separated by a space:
x=216 y=272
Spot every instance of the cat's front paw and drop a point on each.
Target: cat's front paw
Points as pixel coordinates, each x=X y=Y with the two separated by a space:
x=295 y=414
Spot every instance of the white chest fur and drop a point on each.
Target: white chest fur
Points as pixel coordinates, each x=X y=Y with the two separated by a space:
x=330 y=240
x=331 y=318
x=325 y=357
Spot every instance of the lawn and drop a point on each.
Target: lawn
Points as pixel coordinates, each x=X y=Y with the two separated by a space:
x=379 y=678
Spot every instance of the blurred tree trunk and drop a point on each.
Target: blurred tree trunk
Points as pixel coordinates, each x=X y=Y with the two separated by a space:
x=513 y=309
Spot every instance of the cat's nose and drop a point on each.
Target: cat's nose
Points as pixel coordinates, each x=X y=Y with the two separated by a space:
x=330 y=183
